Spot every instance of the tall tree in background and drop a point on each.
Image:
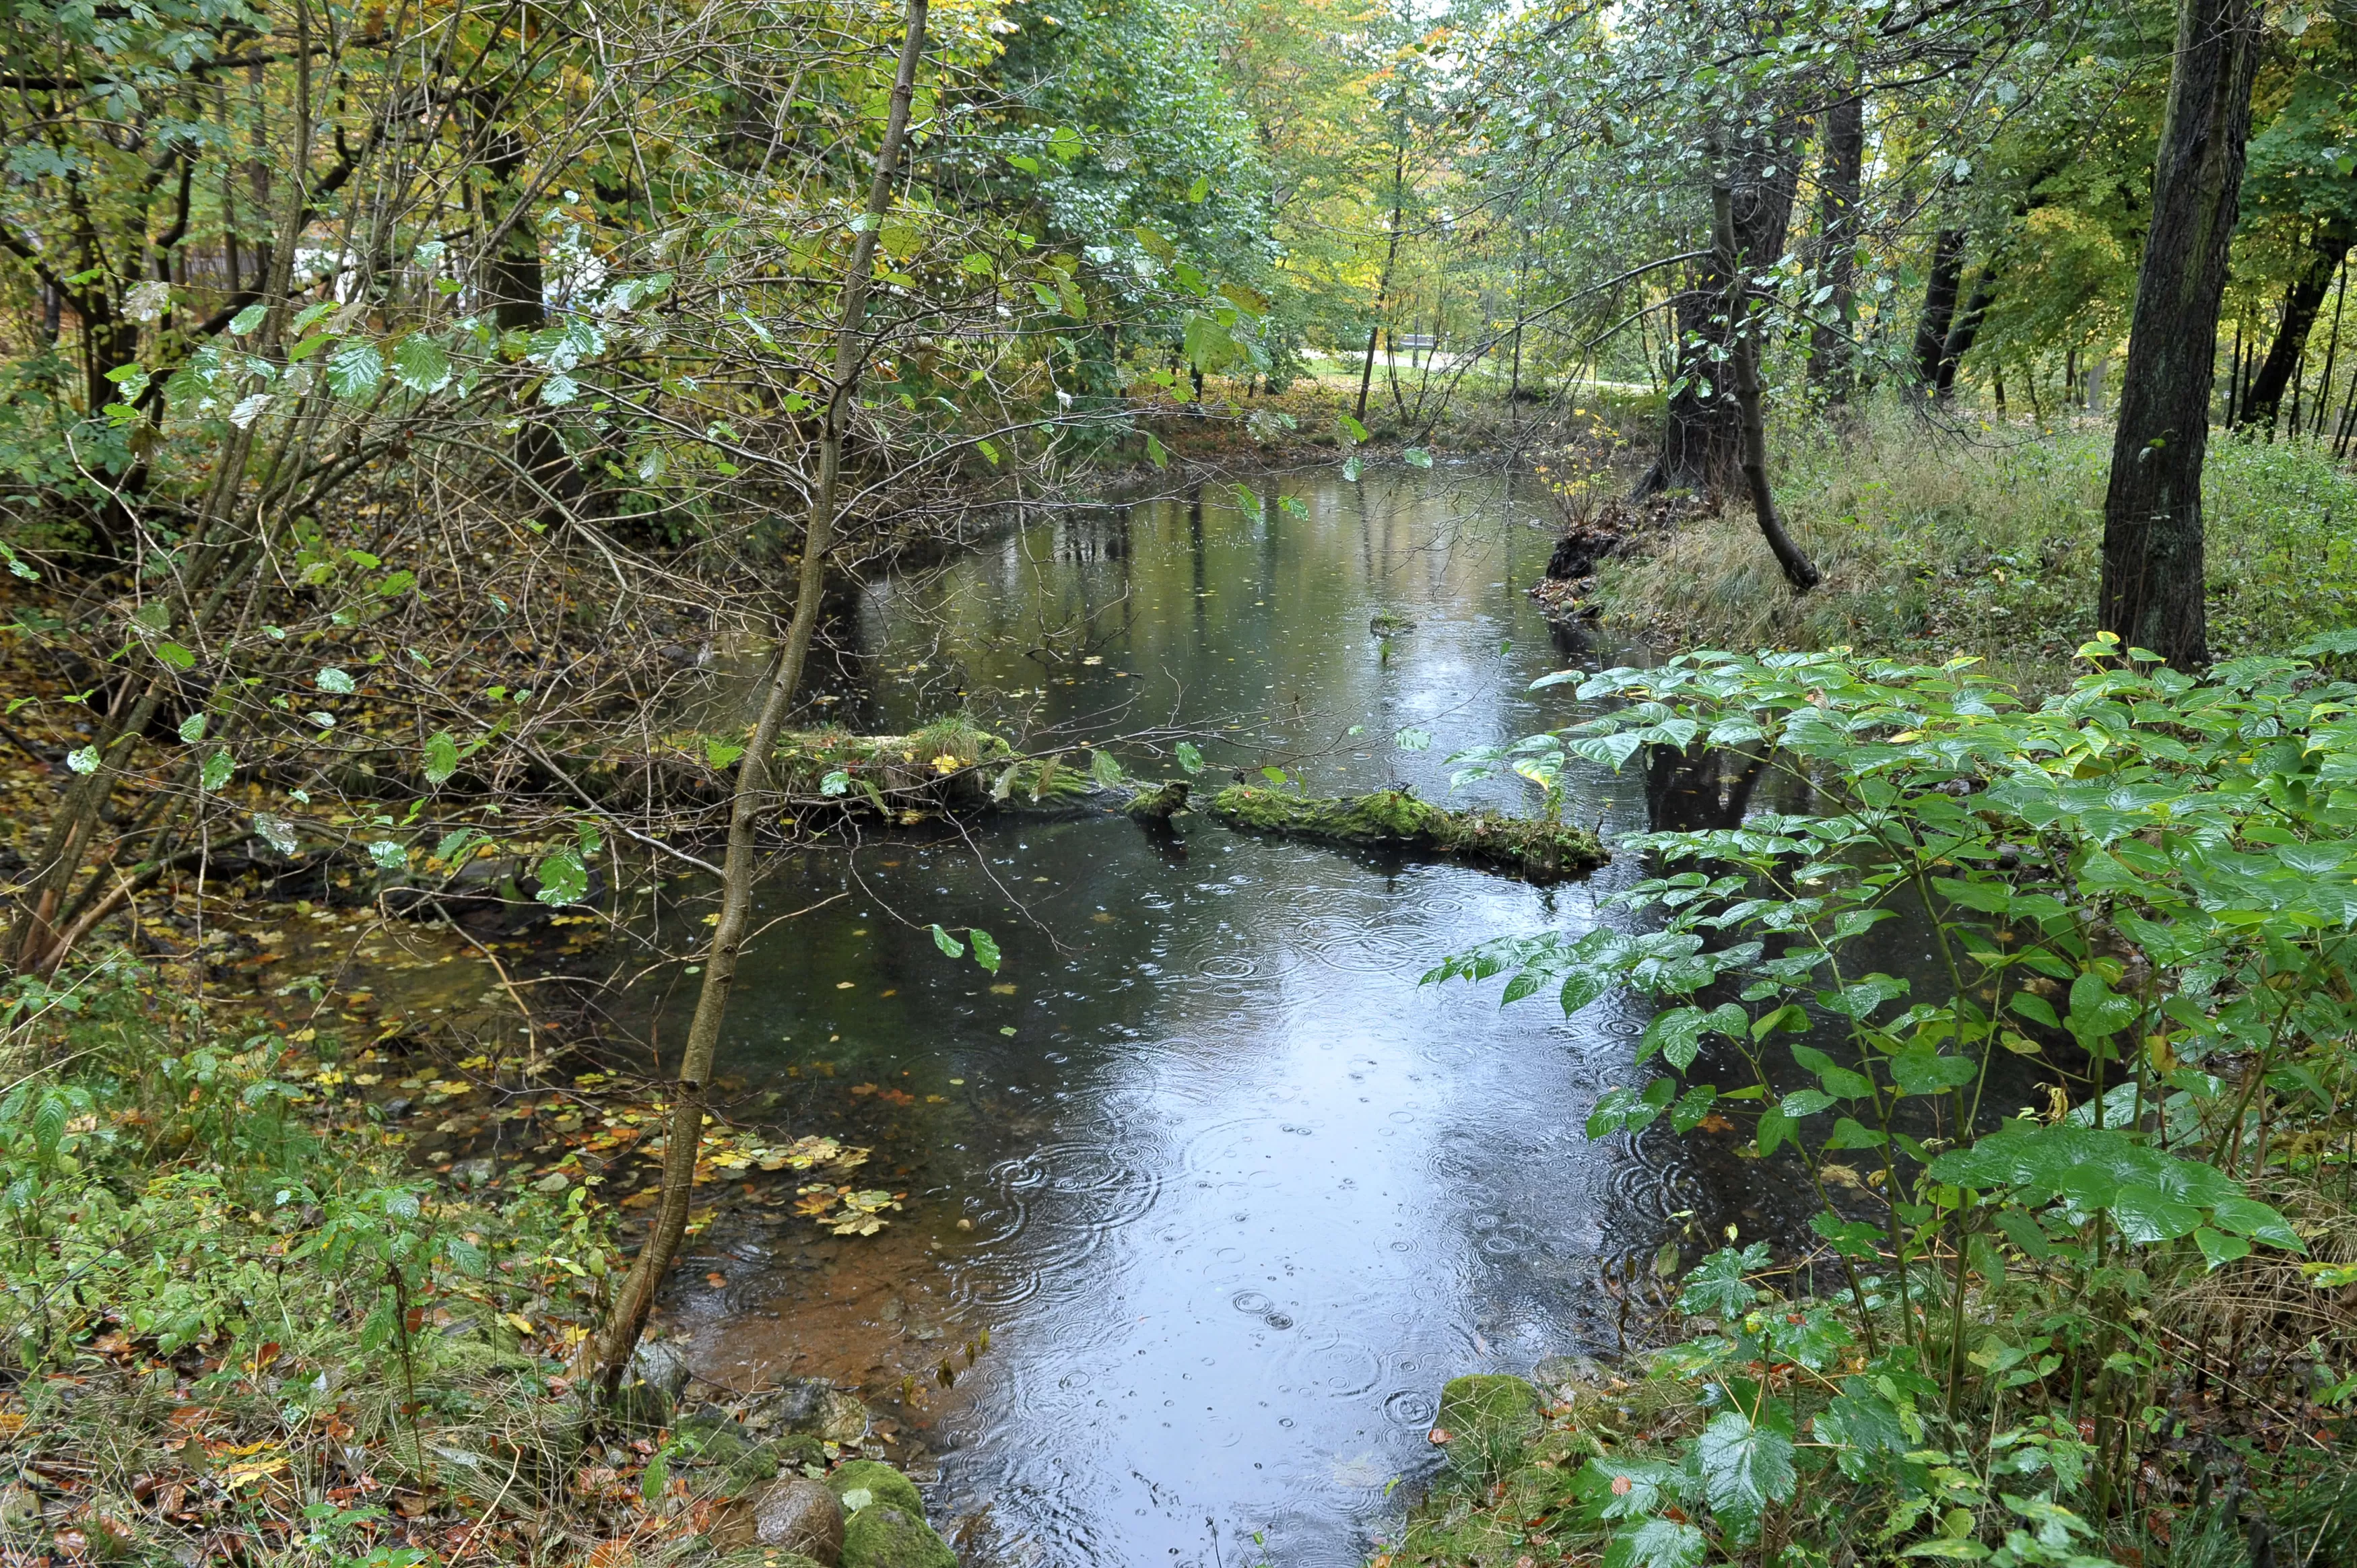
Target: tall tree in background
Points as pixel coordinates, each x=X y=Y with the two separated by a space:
x=2152 y=574
x=1832 y=353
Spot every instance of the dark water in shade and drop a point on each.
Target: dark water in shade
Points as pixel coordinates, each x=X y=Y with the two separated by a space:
x=1241 y=1194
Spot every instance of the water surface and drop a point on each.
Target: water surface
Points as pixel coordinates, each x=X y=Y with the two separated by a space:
x=1232 y=1192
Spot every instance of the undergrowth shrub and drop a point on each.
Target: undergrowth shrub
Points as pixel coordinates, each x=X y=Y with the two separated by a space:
x=236 y=1317
x=2060 y=1334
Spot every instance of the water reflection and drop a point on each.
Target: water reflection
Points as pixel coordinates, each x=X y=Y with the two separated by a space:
x=1232 y=1193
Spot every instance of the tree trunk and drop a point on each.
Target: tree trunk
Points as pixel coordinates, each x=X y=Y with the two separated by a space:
x=1391 y=258
x=1963 y=331
x=1831 y=354
x=2331 y=352
x=2302 y=303
x=2153 y=571
x=1702 y=429
x=635 y=1301
x=1939 y=307
x=1744 y=345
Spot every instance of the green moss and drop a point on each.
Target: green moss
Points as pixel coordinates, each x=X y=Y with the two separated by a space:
x=883 y=1485
x=883 y=1536
x=1489 y=1403
x=1161 y=803
x=1542 y=851
x=1389 y=817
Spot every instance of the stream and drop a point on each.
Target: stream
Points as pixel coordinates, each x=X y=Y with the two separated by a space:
x=1231 y=1193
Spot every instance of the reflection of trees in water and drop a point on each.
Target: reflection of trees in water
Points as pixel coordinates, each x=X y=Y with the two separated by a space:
x=1690 y=787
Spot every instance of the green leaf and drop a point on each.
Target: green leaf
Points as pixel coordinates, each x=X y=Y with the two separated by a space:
x=656 y=1479
x=1200 y=189
x=1416 y=457
x=1358 y=431
x=218 y=768
x=49 y=1124
x=1105 y=770
x=246 y=320
x=2245 y=1217
x=1775 y=1128
x=564 y=880
x=174 y=656
x=1189 y=758
x=986 y=948
x=192 y=728
x=82 y=760
x=1350 y=470
x=1692 y=1107
x=2097 y=1012
x=948 y=943
x=1805 y=1103
x=835 y=783
x=1625 y=1489
x=1744 y=1466
x=441 y=758
x=1656 y=1544
x=719 y=754
x=389 y=856
x=421 y=364
x=2035 y=1008
x=1922 y=1069
x=1849 y=1134
x=1628 y=1109
x=1153 y=452
x=354 y=370
x=1717 y=1287
x=334 y=680
x=2218 y=1251
x=1413 y=740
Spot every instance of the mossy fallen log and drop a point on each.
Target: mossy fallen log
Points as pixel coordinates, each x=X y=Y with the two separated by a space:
x=1160 y=803
x=1396 y=819
x=951 y=765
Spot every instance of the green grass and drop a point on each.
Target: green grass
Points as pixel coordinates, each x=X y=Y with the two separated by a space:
x=1987 y=542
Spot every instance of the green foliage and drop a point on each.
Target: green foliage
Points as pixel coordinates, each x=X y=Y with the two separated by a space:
x=2148 y=883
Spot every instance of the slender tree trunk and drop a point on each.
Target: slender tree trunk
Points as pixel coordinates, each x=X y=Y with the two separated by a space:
x=1832 y=353
x=2332 y=351
x=1744 y=345
x=2234 y=374
x=1940 y=290
x=2302 y=301
x=1391 y=260
x=1963 y=331
x=635 y=1301
x=2153 y=570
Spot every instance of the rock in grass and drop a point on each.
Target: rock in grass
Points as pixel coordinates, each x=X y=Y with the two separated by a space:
x=882 y=1536
x=863 y=1483
x=1488 y=1411
x=1394 y=819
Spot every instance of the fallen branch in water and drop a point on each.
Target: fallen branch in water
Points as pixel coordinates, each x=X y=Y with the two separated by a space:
x=1394 y=819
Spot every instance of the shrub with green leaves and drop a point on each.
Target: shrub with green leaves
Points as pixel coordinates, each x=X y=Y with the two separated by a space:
x=2147 y=885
